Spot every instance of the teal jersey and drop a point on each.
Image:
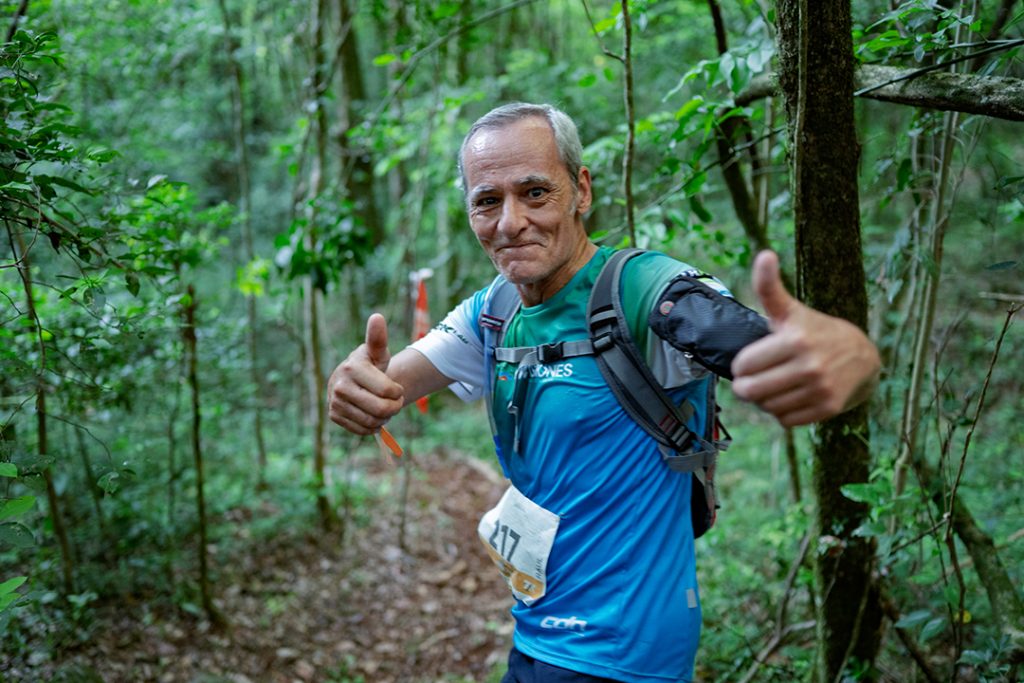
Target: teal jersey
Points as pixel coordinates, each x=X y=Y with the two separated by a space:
x=621 y=599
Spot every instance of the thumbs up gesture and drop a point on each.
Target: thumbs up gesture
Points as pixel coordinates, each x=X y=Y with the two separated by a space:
x=812 y=366
x=362 y=397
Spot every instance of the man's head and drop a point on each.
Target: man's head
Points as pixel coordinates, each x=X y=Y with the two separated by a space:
x=526 y=193
x=567 y=139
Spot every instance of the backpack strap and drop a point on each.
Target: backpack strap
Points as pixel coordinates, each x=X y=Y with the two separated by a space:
x=500 y=303
x=631 y=380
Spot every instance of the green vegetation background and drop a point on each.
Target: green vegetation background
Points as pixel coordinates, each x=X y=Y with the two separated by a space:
x=122 y=178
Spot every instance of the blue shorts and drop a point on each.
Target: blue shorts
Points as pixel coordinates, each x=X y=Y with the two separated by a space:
x=525 y=669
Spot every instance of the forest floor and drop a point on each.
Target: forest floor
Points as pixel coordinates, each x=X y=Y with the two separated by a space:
x=308 y=608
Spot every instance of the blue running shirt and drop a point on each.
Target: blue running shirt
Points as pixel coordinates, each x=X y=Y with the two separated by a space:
x=622 y=599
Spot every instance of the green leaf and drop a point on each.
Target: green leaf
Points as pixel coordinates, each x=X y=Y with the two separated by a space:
x=933 y=628
x=16 y=535
x=445 y=10
x=384 y=59
x=587 y=81
x=913 y=619
x=131 y=281
x=699 y=209
x=1002 y=265
x=110 y=482
x=904 y=174
x=687 y=110
x=8 y=469
x=975 y=657
x=871 y=528
x=11 y=585
x=604 y=24
x=863 y=493
x=16 y=506
x=694 y=183
x=43 y=180
x=7 y=591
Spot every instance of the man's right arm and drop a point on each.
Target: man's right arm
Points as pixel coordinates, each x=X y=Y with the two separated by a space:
x=369 y=387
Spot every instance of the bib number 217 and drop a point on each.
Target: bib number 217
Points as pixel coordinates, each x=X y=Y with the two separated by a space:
x=518 y=535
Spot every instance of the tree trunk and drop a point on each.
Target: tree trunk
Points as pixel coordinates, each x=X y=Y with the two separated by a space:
x=188 y=335
x=357 y=174
x=21 y=258
x=816 y=79
x=313 y=285
x=242 y=165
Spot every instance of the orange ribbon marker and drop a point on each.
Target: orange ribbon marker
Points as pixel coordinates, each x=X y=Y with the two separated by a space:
x=388 y=442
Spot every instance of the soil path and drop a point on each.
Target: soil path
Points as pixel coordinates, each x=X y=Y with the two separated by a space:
x=306 y=609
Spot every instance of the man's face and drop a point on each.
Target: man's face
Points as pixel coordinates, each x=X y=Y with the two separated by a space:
x=524 y=209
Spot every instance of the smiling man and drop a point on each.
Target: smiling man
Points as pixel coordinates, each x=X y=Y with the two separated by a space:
x=594 y=535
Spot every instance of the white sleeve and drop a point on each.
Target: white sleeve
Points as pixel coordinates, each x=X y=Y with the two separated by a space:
x=456 y=349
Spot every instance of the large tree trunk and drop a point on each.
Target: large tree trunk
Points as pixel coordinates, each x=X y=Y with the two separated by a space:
x=816 y=78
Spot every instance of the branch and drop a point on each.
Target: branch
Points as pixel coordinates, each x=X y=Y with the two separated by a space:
x=893 y=613
x=22 y=8
x=593 y=29
x=998 y=97
x=437 y=42
x=1002 y=16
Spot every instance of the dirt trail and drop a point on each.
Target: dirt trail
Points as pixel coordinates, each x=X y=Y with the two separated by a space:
x=306 y=609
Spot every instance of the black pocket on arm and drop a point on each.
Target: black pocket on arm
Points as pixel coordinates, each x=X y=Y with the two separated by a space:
x=700 y=321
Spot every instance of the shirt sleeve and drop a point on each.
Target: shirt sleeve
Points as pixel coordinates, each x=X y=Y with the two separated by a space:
x=455 y=347
x=646 y=282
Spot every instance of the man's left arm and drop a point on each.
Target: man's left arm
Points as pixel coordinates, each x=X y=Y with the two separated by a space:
x=812 y=366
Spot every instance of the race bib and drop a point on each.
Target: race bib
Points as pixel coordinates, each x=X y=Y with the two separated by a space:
x=518 y=535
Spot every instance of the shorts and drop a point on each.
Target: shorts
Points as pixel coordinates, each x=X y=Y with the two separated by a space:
x=525 y=669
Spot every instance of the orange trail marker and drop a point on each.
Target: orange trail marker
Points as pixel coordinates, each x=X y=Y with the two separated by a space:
x=388 y=442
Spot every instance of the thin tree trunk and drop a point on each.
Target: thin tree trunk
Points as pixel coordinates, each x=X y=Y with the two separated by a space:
x=21 y=258
x=627 y=93
x=90 y=478
x=816 y=78
x=242 y=166
x=172 y=478
x=313 y=288
x=16 y=19
x=358 y=172
x=188 y=335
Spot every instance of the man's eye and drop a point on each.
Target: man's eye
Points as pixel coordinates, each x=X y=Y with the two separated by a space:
x=484 y=202
x=537 y=192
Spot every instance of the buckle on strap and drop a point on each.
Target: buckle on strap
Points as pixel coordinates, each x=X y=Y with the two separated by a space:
x=549 y=353
x=603 y=342
x=693 y=461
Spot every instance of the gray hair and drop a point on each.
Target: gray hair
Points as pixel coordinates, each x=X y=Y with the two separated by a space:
x=567 y=139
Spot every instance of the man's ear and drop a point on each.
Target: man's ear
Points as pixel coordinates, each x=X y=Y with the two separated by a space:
x=584 y=197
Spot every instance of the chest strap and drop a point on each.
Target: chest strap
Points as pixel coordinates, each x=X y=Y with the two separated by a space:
x=543 y=353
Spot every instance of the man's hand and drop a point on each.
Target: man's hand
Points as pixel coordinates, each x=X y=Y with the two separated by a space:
x=812 y=367
x=361 y=396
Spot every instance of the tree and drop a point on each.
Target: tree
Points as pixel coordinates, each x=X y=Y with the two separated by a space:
x=816 y=79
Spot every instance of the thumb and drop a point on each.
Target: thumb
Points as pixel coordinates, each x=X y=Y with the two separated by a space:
x=377 y=341
x=776 y=301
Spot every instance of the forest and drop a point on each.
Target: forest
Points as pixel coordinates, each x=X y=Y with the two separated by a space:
x=204 y=200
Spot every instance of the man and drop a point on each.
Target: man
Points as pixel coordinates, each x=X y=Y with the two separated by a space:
x=614 y=594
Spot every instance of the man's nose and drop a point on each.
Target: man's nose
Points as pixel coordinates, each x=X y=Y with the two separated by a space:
x=513 y=217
